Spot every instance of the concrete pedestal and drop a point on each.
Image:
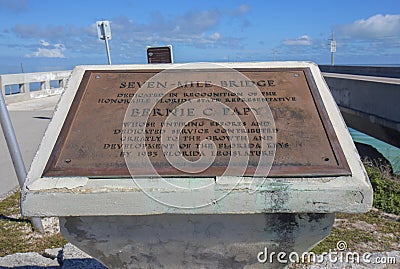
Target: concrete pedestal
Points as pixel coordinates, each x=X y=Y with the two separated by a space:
x=174 y=221
x=196 y=241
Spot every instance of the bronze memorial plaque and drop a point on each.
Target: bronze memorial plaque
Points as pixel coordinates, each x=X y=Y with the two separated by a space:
x=135 y=122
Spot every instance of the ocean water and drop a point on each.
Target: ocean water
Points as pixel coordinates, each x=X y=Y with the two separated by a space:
x=391 y=153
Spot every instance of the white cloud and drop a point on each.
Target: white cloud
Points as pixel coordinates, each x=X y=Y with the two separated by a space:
x=239 y=11
x=14 y=5
x=192 y=28
x=215 y=36
x=377 y=26
x=48 y=51
x=195 y=22
x=243 y=9
x=44 y=43
x=304 y=40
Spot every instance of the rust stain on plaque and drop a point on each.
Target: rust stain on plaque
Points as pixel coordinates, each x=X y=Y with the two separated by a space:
x=91 y=140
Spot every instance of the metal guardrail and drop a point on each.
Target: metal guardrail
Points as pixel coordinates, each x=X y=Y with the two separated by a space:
x=24 y=86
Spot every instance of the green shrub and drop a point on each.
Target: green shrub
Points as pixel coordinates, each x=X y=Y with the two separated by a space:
x=386 y=189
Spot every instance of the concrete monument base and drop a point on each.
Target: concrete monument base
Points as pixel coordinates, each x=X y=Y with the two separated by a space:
x=196 y=241
x=192 y=219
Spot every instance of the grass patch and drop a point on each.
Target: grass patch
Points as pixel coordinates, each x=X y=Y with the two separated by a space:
x=17 y=234
x=376 y=230
x=386 y=188
x=370 y=232
x=10 y=205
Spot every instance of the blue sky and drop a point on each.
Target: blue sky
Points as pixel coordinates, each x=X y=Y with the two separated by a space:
x=57 y=35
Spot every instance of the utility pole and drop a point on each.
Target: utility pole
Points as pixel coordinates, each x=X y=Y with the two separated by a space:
x=104 y=33
x=333 y=49
x=274 y=55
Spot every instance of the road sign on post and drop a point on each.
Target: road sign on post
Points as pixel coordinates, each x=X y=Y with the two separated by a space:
x=103 y=30
x=333 y=49
x=104 y=33
x=333 y=46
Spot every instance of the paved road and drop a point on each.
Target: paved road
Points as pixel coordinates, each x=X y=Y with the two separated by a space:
x=30 y=120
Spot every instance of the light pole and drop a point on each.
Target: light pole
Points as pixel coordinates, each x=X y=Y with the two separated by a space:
x=104 y=33
x=333 y=49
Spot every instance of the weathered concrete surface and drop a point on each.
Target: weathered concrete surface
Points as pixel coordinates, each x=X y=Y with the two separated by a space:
x=67 y=257
x=74 y=258
x=19 y=260
x=368 y=104
x=30 y=120
x=194 y=241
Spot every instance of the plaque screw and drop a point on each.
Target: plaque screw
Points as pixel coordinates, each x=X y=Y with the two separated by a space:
x=326 y=159
x=68 y=160
x=296 y=75
x=97 y=76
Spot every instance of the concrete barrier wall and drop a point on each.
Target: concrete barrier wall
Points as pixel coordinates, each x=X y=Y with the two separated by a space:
x=374 y=98
x=377 y=71
x=369 y=106
x=24 y=80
